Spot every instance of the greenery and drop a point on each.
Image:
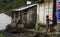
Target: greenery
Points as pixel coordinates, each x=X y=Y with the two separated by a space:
x=1 y=35
x=6 y=5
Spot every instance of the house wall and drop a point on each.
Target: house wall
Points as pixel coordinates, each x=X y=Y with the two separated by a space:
x=43 y=10
x=15 y=18
x=32 y=15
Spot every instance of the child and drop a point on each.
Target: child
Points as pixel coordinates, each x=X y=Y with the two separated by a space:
x=47 y=22
x=51 y=27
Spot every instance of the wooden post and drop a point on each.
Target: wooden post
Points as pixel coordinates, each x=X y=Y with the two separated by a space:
x=14 y=23
x=13 y=20
x=14 y=16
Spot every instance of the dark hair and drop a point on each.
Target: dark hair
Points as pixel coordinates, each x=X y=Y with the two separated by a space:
x=47 y=16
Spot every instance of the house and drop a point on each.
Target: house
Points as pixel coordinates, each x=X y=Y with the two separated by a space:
x=46 y=8
x=32 y=13
x=25 y=16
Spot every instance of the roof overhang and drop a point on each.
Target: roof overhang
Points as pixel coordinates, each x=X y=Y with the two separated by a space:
x=24 y=8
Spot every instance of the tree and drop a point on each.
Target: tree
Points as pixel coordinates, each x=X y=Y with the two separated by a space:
x=6 y=5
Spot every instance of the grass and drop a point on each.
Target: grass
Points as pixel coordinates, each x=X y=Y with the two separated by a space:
x=1 y=35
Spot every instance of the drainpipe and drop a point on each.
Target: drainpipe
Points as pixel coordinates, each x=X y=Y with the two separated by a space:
x=38 y=12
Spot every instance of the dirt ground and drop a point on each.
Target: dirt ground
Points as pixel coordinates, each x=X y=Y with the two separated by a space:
x=27 y=34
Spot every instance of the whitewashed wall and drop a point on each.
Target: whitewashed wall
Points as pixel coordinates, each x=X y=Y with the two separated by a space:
x=43 y=10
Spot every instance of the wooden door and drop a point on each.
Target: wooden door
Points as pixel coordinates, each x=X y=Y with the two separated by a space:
x=24 y=18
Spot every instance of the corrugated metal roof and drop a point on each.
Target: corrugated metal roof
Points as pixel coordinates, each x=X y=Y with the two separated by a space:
x=23 y=8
